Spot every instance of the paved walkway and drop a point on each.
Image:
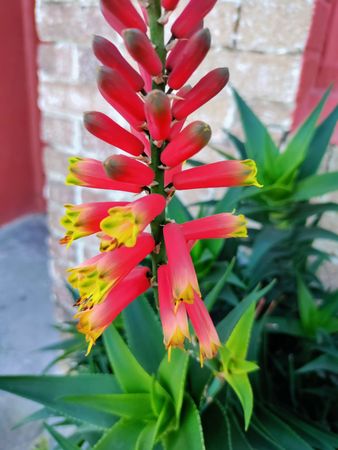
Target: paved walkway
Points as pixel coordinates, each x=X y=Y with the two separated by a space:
x=26 y=318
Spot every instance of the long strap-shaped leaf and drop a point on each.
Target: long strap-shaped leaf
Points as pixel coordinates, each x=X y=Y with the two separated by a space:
x=64 y=443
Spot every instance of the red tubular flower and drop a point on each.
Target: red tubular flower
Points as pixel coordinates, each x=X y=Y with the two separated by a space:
x=175 y=54
x=182 y=273
x=95 y=277
x=115 y=89
x=143 y=138
x=142 y=50
x=169 y=5
x=193 y=13
x=174 y=319
x=158 y=114
x=204 y=329
x=124 y=223
x=109 y=131
x=209 y=86
x=119 y=13
x=90 y=172
x=219 y=174
x=189 y=58
x=218 y=226
x=109 y=56
x=94 y=321
x=128 y=170
x=187 y=143
x=83 y=220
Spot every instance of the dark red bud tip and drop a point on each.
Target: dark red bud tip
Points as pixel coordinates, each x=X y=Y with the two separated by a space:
x=141 y=49
x=124 y=169
x=193 y=13
x=122 y=14
x=169 y=5
x=109 y=56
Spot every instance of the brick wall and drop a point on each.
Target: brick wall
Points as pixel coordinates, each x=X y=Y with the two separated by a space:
x=261 y=41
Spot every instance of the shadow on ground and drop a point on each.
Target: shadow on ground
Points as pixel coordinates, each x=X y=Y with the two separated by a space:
x=26 y=313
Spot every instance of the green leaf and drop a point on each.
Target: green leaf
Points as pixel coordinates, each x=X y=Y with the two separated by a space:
x=242 y=387
x=307 y=307
x=64 y=443
x=295 y=152
x=315 y=186
x=147 y=437
x=226 y=326
x=318 y=145
x=239 y=145
x=238 y=342
x=122 y=436
x=189 y=435
x=129 y=373
x=323 y=362
x=178 y=211
x=148 y=330
x=259 y=144
x=213 y=295
x=132 y=406
x=172 y=376
x=47 y=390
x=281 y=432
x=238 y=439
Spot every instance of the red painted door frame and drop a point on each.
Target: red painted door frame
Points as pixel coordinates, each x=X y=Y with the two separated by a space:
x=21 y=174
x=320 y=63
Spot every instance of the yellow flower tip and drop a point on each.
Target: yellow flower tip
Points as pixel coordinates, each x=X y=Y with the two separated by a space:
x=251 y=173
x=169 y=353
x=241 y=230
x=66 y=240
x=187 y=296
x=121 y=225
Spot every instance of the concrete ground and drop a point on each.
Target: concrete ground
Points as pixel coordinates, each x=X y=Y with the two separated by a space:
x=26 y=318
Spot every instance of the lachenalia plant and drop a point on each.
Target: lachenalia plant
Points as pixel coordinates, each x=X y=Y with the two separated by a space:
x=156 y=101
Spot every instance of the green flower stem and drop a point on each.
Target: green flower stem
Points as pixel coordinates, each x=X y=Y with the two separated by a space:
x=157 y=37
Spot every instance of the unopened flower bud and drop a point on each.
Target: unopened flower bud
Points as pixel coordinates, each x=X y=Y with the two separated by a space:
x=109 y=56
x=158 y=114
x=193 y=13
x=109 y=131
x=169 y=5
x=190 y=58
x=128 y=170
x=121 y=96
x=209 y=86
x=187 y=143
x=142 y=50
x=122 y=14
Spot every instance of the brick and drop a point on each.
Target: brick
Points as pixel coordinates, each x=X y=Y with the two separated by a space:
x=55 y=163
x=94 y=146
x=71 y=22
x=222 y=21
x=274 y=26
x=59 y=193
x=58 y=131
x=56 y=61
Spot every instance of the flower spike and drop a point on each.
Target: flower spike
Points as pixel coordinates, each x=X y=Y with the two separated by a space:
x=209 y=86
x=93 y=321
x=218 y=174
x=90 y=173
x=174 y=320
x=121 y=96
x=142 y=50
x=124 y=223
x=128 y=170
x=84 y=220
x=106 y=52
x=193 y=13
x=122 y=14
x=190 y=58
x=187 y=143
x=109 y=131
x=182 y=272
x=158 y=114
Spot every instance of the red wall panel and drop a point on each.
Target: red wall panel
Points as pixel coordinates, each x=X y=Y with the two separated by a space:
x=21 y=178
